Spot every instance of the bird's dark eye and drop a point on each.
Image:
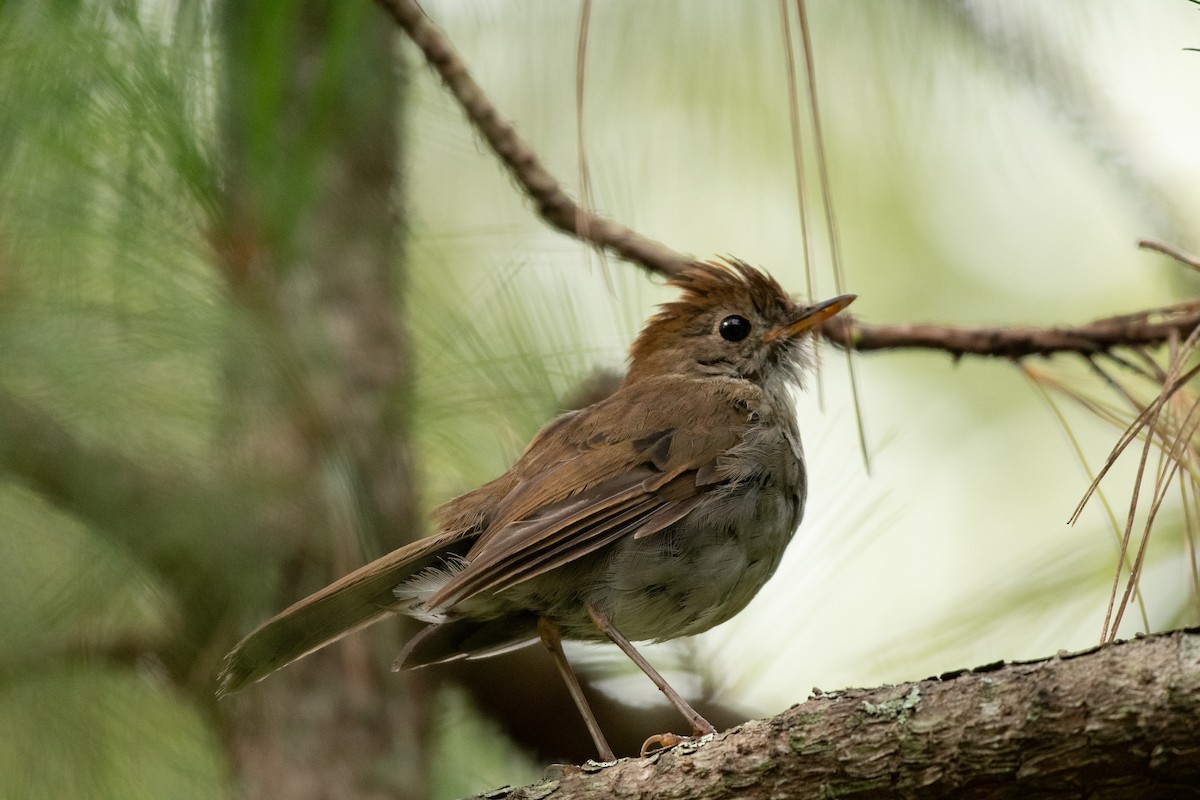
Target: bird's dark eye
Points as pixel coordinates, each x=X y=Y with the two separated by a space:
x=734 y=328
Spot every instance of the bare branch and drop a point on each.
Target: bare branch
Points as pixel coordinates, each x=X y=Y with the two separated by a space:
x=1171 y=250
x=564 y=214
x=1131 y=330
x=1116 y=721
x=553 y=204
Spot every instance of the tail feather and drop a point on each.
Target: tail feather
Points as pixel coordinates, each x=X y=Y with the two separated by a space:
x=354 y=602
x=467 y=638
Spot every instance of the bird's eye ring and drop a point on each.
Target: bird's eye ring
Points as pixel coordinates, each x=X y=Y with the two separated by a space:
x=734 y=328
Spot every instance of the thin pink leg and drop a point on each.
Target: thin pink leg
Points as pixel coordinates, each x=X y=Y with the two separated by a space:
x=700 y=726
x=552 y=639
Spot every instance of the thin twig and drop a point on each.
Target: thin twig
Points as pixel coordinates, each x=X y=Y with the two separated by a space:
x=1189 y=533
x=1144 y=420
x=1115 y=385
x=1109 y=629
x=831 y=228
x=587 y=198
x=1159 y=375
x=797 y=148
x=564 y=214
x=1037 y=382
x=553 y=204
x=1174 y=456
x=814 y=110
x=1171 y=250
x=1121 y=361
x=1015 y=342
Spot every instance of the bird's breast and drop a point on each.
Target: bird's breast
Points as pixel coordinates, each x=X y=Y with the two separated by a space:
x=707 y=567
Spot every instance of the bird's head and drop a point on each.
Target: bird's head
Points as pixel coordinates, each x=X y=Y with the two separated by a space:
x=732 y=320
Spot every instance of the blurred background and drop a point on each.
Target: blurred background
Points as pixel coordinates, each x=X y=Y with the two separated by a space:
x=265 y=301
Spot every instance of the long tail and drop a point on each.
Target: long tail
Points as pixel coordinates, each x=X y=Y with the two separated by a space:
x=353 y=602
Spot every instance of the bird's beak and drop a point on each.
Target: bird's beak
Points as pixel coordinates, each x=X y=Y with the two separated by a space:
x=812 y=316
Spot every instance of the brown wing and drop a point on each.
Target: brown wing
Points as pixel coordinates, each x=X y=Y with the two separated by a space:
x=622 y=469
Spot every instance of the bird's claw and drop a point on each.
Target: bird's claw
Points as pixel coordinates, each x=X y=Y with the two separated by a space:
x=557 y=771
x=662 y=741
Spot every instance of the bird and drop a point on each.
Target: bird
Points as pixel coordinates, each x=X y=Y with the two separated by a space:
x=655 y=513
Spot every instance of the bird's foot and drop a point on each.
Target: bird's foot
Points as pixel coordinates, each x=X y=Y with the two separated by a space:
x=662 y=741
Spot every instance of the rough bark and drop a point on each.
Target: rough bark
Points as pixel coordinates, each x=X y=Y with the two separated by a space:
x=1118 y=721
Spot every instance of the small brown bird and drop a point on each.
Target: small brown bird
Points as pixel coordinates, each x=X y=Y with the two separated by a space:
x=655 y=513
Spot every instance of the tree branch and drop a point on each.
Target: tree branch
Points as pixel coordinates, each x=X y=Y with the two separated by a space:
x=563 y=214
x=1149 y=328
x=553 y=204
x=1171 y=250
x=1121 y=720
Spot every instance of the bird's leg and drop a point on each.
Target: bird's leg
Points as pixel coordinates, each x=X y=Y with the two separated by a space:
x=700 y=726
x=552 y=639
